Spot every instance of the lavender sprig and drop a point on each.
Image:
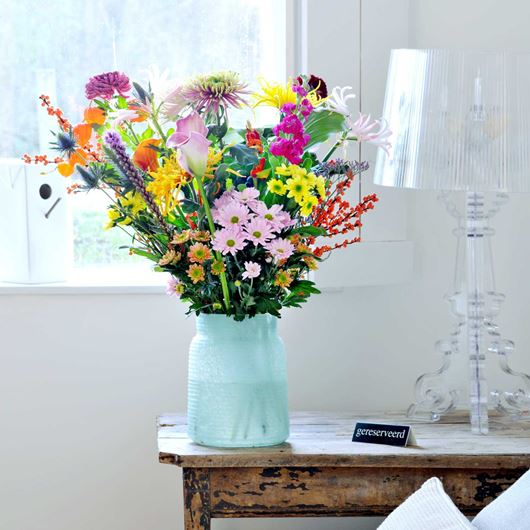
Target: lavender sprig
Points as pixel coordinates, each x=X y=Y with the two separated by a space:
x=122 y=159
x=340 y=167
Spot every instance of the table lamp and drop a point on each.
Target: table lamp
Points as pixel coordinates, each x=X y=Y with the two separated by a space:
x=461 y=123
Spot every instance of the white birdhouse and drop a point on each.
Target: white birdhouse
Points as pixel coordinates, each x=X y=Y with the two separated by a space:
x=35 y=227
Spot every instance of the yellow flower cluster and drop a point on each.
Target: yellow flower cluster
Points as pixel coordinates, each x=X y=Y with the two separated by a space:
x=214 y=159
x=132 y=203
x=278 y=94
x=167 y=181
x=274 y=94
x=300 y=185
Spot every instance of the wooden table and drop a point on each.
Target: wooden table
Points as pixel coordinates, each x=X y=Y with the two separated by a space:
x=320 y=472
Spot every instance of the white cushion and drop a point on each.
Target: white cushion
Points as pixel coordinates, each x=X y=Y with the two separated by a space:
x=429 y=508
x=510 y=510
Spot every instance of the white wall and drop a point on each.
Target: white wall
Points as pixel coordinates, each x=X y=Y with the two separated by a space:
x=83 y=377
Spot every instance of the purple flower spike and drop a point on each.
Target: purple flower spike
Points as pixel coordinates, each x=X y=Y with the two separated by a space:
x=125 y=164
x=106 y=85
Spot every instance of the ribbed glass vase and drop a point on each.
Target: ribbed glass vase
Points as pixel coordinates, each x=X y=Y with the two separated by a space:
x=237 y=383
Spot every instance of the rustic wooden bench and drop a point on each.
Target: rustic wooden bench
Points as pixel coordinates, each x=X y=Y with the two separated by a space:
x=320 y=472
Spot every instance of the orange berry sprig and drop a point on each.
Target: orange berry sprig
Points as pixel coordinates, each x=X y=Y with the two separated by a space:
x=55 y=111
x=41 y=159
x=82 y=133
x=337 y=216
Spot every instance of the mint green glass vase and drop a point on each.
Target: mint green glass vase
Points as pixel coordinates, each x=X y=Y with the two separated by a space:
x=237 y=383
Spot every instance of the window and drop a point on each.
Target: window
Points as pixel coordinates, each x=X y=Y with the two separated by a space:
x=53 y=47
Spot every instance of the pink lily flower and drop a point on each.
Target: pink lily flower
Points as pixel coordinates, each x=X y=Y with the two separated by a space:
x=190 y=139
x=363 y=130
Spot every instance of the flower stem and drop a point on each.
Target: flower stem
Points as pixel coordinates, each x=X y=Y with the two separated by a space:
x=154 y=119
x=207 y=211
x=337 y=144
x=133 y=134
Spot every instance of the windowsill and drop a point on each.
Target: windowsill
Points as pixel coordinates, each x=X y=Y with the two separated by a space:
x=96 y=281
x=367 y=264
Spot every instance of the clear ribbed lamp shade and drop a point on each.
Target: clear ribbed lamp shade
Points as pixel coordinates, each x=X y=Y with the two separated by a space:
x=460 y=121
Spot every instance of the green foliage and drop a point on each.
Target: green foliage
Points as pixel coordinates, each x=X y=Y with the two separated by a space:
x=244 y=155
x=309 y=230
x=322 y=125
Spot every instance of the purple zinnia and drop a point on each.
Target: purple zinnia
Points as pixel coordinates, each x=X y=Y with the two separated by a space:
x=106 y=85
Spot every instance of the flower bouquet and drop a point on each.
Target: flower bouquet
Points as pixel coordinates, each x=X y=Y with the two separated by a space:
x=236 y=216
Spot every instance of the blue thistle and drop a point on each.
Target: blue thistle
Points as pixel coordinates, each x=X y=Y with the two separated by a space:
x=65 y=143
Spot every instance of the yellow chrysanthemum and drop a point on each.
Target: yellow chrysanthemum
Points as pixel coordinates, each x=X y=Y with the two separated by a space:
x=167 y=182
x=309 y=202
x=320 y=186
x=310 y=178
x=284 y=171
x=298 y=189
x=297 y=171
x=274 y=94
x=276 y=186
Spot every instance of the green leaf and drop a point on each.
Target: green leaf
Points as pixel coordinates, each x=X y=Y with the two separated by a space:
x=144 y=254
x=305 y=286
x=306 y=231
x=148 y=133
x=244 y=155
x=219 y=131
x=321 y=125
x=221 y=171
x=122 y=102
x=233 y=136
x=266 y=305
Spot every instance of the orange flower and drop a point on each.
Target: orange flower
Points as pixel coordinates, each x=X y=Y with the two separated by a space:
x=199 y=253
x=94 y=115
x=79 y=157
x=65 y=169
x=145 y=157
x=82 y=133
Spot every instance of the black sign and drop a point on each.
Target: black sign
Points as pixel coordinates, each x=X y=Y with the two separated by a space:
x=379 y=433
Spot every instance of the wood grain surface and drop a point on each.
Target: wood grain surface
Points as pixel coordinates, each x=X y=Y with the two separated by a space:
x=321 y=472
x=324 y=439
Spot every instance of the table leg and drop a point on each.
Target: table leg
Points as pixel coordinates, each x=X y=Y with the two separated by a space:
x=196 y=498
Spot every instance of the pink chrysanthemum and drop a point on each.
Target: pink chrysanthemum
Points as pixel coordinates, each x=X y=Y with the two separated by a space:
x=234 y=214
x=226 y=198
x=208 y=93
x=280 y=249
x=229 y=241
x=106 y=85
x=277 y=218
x=248 y=196
x=252 y=270
x=174 y=287
x=258 y=231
